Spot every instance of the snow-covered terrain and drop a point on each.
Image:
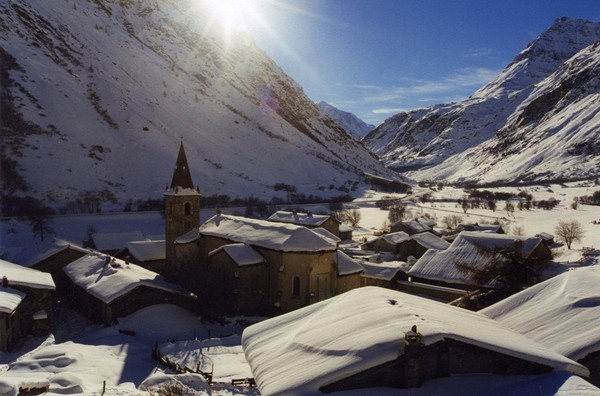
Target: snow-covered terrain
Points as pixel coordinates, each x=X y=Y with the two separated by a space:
x=350 y=122
x=538 y=120
x=99 y=93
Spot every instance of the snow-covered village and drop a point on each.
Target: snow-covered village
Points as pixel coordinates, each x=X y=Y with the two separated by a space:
x=179 y=218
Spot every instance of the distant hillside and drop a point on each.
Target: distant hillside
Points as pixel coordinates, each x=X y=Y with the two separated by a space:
x=538 y=120
x=97 y=96
x=350 y=122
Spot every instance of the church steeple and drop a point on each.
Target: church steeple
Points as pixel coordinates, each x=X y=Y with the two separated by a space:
x=182 y=177
x=182 y=209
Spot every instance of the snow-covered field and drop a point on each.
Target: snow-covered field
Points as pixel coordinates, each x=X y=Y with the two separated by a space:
x=82 y=358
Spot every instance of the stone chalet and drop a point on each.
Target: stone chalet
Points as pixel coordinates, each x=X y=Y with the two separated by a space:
x=386 y=242
x=298 y=265
x=561 y=313
x=475 y=249
x=61 y=254
x=148 y=254
x=104 y=288
x=389 y=339
x=25 y=304
x=412 y=227
x=307 y=220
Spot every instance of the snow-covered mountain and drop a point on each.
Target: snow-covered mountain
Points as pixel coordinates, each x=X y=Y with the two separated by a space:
x=349 y=121
x=97 y=95
x=538 y=120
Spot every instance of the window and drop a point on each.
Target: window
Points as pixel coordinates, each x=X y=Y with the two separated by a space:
x=296 y=286
x=187 y=208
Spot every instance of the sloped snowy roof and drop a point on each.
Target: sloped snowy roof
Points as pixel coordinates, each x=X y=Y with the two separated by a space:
x=266 y=234
x=326 y=234
x=23 y=276
x=385 y=270
x=471 y=248
x=562 y=313
x=392 y=238
x=346 y=265
x=10 y=299
x=431 y=241
x=108 y=282
x=301 y=351
x=58 y=245
x=147 y=250
x=241 y=254
x=416 y=226
x=115 y=240
x=305 y=219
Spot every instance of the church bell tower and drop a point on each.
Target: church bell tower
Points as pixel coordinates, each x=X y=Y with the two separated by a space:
x=182 y=206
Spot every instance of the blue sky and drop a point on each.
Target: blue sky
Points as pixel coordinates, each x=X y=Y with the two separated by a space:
x=376 y=58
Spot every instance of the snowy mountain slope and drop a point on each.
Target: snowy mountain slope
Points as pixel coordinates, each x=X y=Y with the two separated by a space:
x=350 y=122
x=511 y=128
x=100 y=92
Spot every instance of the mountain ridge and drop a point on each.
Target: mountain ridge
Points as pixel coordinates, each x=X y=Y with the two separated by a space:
x=463 y=141
x=102 y=93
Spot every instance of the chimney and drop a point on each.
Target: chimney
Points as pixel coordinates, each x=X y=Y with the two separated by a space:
x=4 y=281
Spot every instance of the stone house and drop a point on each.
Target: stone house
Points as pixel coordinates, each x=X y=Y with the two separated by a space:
x=476 y=249
x=561 y=313
x=418 y=244
x=61 y=254
x=412 y=227
x=402 y=341
x=104 y=288
x=308 y=220
x=148 y=254
x=386 y=242
x=299 y=264
x=25 y=304
x=382 y=274
x=349 y=272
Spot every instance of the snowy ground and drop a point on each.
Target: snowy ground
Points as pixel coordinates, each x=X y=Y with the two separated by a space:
x=80 y=357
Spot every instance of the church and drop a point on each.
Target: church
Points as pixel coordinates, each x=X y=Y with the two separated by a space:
x=242 y=265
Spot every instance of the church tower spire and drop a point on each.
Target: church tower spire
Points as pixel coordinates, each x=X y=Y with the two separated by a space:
x=182 y=208
x=182 y=177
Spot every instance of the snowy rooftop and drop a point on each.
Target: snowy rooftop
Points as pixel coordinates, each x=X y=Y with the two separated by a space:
x=23 y=276
x=266 y=234
x=385 y=270
x=147 y=250
x=10 y=299
x=301 y=351
x=305 y=219
x=431 y=241
x=105 y=241
x=471 y=248
x=326 y=234
x=181 y=191
x=347 y=265
x=58 y=245
x=110 y=281
x=562 y=313
x=241 y=254
x=416 y=226
x=391 y=238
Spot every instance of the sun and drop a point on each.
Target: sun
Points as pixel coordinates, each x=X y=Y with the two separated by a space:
x=230 y=15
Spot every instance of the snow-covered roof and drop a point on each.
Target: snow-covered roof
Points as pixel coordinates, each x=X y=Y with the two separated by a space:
x=266 y=234
x=481 y=228
x=23 y=276
x=305 y=219
x=58 y=245
x=475 y=249
x=416 y=226
x=105 y=241
x=346 y=265
x=147 y=250
x=326 y=234
x=301 y=351
x=562 y=313
x=392 y=238
x=431 y=241
x=10 y=299
x=110 y=281
x=241 y=254
x=385 y=270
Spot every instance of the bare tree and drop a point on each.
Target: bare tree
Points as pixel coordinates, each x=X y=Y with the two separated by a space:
x=40 y=222
x=569 y=231
x=397 y=210
x=452 y=221
x=353 y=217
